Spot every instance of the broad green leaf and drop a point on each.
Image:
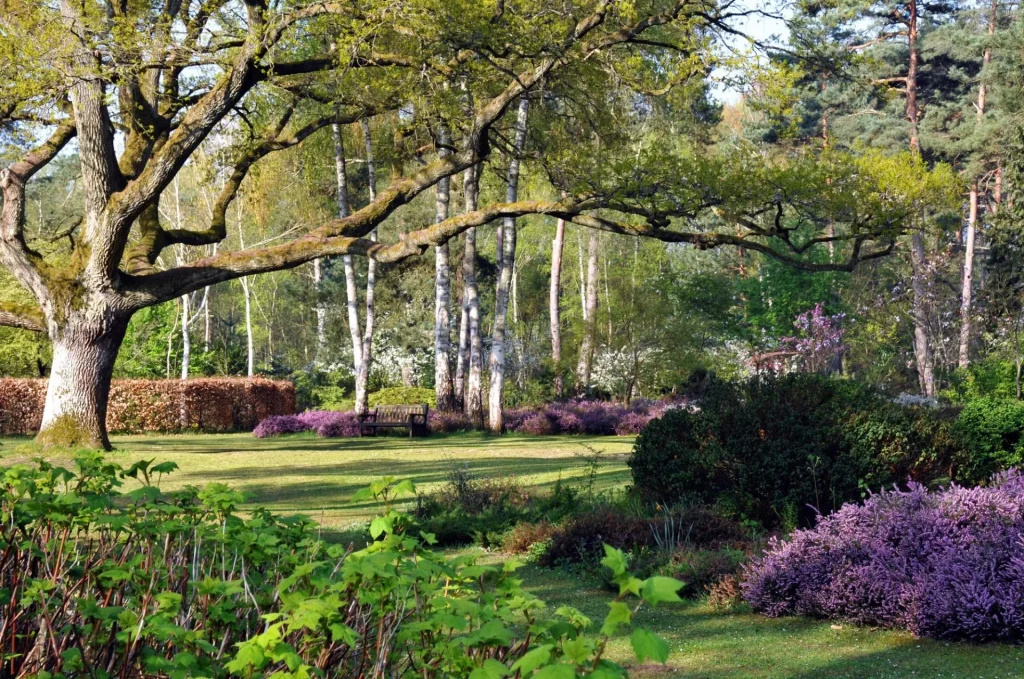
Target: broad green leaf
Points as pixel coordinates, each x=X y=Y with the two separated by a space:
x=559 y=671
x=658 y=589
x=533 y=659
x=618 y=614
x=648 y=645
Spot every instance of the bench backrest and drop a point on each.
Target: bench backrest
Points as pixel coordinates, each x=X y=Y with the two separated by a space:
x=400 y=414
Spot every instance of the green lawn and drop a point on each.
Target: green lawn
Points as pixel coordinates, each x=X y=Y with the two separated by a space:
x=316 y=476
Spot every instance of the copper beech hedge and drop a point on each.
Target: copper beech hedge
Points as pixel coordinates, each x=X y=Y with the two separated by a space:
x=139 y=406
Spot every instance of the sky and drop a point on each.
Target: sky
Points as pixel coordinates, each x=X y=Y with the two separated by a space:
x=767 y=30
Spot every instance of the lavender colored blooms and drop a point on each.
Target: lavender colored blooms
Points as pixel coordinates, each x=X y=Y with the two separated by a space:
x=820 y=340
x=947 y=564
x=326 y=423
x=579 y=416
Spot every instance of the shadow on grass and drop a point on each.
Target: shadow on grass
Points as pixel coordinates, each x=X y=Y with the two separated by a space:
x=309 y=442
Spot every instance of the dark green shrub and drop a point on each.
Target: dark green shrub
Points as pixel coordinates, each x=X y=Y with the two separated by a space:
x=777 y=450
x=398 y=396
x=993 y=429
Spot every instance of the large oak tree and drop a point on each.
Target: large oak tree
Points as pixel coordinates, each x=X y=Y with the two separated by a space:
x=135 y=87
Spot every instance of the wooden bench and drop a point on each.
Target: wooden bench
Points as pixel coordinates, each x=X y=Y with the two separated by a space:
x=413 y=418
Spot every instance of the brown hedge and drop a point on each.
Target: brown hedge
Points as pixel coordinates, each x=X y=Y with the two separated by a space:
x=139 y=406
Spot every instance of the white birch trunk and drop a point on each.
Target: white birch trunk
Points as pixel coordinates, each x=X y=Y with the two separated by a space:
x=249 y=343
x=474 y=397
x=186 y=337
x=351 y=291
x=554 y=305
x=366 y=356
x=507 y=247
x=443 y=383
x=586 y=356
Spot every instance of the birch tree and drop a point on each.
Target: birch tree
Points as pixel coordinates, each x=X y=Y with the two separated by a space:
x=554 y=305
x=506 y=263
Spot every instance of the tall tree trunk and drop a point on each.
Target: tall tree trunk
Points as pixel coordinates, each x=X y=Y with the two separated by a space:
x=583 y=273
x=321 y=312
x=923 y=356
x=186 y=337
x=85 y=347
x=554 y=306
x=366 y=357
x=922 y=347
x=972 y=219
x=586 y=357
x=351 y=292
x=249 y=342
x=968 y=280
x=443 y=384
x=474 y=398
x=507 y=247
x=914 y=57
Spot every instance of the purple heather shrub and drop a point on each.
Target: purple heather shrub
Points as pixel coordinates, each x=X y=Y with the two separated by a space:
x=566 y=421
x=537 y=425
x=275 y=425
x=444 y=422
x=632 y=424
x=333 y=425
x=947 y=564
x=515 y=417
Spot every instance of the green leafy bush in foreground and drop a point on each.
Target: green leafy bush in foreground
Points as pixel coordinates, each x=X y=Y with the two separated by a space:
x=97 y=582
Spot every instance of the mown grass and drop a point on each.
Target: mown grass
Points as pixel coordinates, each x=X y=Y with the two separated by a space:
x=305 y=474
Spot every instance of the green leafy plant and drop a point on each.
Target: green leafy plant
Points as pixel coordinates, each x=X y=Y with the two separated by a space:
x=104 y=582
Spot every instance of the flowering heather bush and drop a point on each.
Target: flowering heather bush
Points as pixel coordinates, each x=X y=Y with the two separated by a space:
x=596 y=418
x=444 y=422
x=326 y=423
x=537 y=425
x=276 y=425
x=947 y=564
x=632 y=424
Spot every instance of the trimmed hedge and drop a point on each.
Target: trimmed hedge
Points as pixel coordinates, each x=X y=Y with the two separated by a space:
x=139 y=406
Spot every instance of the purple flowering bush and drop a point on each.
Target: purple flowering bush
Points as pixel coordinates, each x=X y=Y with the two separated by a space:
x=326 y=423
x=947 y=564
x=596 y=418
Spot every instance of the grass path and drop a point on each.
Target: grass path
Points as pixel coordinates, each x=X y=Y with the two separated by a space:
x=305 y=474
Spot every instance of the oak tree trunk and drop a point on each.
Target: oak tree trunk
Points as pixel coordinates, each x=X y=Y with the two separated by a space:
x=507 y=248
x=85 y=346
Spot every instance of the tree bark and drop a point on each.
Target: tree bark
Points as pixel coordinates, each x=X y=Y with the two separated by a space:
x=914 y=57
x=474 y=398
x=366 y=356
x=186 y=337
x=351 y=291
x=85 y=347
x=922 y=347
x=507 y=247
x=586 y=358
x=972 y=219
x=249 y=342
x=443 y=383
x=554 y=306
